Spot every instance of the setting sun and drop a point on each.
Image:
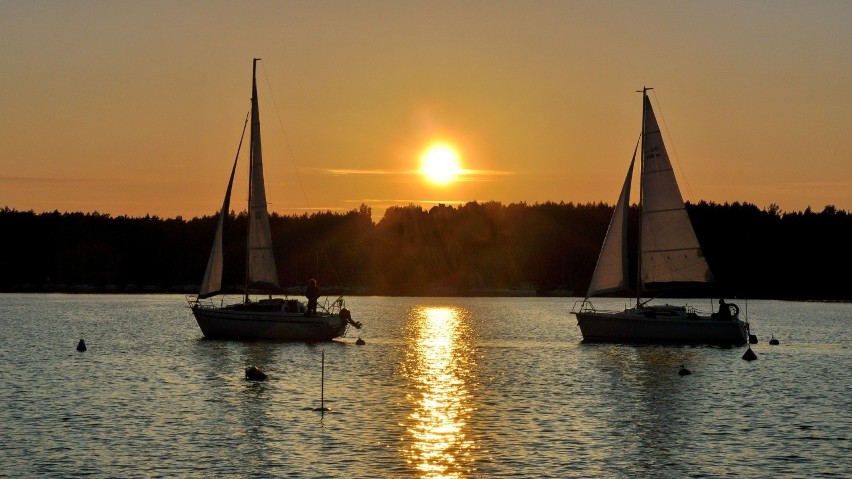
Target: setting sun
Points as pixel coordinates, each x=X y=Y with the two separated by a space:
x=440 y=164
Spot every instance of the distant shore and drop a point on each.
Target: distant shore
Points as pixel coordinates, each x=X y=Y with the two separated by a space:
x=289 y=290
x=333 y=291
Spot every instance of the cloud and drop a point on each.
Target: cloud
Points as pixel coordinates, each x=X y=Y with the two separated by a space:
x=464 y=174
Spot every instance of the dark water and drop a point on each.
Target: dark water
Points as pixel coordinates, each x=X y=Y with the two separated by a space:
x=444 y=387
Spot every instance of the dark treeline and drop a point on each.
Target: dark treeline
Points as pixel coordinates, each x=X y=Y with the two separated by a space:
x=477 y=248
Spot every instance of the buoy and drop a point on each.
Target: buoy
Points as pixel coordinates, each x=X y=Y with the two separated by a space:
x=773 y=341
x=81 y=346
x=683 y=371
x=360 y=342
x=749 y=355
x=752 y=339
x=253 y=373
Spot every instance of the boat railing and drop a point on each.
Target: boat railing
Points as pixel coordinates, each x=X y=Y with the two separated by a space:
x=338 y=307
x=193 y=301
x=333 y=307
x=586 y=306
x=202 y=303
x=581 y=306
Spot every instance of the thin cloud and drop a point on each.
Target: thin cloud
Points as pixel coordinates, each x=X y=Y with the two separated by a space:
x=407 y=202
x=463 y=175
x=344 y=172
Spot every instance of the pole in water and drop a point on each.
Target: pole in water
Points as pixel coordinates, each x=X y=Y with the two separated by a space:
x=322 y=407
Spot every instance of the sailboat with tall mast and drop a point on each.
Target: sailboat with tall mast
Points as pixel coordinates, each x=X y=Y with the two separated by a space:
x=268 y=318
x=669 y=254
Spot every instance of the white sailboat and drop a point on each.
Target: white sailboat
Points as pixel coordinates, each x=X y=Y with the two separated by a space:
x=669 y=252
x=269 y=318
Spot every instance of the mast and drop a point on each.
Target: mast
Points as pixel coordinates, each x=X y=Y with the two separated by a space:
x=641 y=196
x=255 y=124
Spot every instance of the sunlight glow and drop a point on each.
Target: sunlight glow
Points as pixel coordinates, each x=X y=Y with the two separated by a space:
x=440 y=164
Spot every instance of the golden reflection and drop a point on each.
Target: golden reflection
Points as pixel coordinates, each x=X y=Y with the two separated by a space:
x=438 y=362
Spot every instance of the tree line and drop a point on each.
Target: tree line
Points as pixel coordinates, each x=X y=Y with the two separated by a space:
x=471 y=249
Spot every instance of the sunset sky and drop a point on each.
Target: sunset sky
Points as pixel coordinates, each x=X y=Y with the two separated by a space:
x=135 y=108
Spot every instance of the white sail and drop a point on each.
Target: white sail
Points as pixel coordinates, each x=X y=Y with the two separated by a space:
x=611 y=269
x=261 y=272
x=211 y=285
x=670 y=252
x=212 y=282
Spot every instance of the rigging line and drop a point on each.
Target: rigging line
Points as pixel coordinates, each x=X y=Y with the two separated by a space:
x=674 y=149
x=286 y=139
x=239 y=149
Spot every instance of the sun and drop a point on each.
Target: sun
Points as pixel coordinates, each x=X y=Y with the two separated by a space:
x=440 y=164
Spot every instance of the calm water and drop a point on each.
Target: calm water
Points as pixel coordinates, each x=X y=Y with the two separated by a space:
x=444 y=387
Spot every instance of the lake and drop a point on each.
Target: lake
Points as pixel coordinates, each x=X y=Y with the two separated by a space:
x=443 y=387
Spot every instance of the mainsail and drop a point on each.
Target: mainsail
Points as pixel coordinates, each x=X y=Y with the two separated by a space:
x=261 y=273
x=670 y=252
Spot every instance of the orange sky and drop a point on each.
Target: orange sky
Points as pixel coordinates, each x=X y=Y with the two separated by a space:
x=134 y=108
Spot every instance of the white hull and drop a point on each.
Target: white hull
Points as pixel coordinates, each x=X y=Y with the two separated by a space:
x=660 y=325
x=232 y=323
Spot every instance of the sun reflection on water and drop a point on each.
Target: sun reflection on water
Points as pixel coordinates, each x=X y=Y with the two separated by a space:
x=438 y=361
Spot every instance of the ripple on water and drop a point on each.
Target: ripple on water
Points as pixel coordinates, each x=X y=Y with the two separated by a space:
x=444 y=387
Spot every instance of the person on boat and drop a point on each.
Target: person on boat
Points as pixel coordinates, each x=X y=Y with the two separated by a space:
x=724 y=311
x=313 y=294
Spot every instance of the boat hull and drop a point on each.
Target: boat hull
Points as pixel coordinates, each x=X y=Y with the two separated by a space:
x=227 y=323
x=664 y=326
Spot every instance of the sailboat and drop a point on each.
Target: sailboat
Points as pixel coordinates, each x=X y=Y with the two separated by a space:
x=268 y=318
x=669 y=254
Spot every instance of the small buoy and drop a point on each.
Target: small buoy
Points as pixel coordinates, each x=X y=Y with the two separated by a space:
x=81 y=346
x=360 y=342
x=752 y=339
x=683 y=371
x=749 y=355
x=773 y=341
x=253 y=373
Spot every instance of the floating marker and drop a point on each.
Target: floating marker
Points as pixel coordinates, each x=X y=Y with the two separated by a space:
x=749 y=355
x=81 y=346
x=360 y=342
x=683 y=371
x=253 y=373
x=752 y=339
x=773 y=341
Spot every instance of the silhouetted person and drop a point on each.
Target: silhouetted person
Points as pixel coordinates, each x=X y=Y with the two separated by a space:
x=724 y=311
x=313 y=294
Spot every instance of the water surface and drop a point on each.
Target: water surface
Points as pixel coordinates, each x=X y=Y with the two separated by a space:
x=444 y=387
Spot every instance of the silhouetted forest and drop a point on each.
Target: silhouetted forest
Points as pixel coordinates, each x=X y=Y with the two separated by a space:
x=473 y=249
